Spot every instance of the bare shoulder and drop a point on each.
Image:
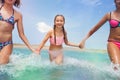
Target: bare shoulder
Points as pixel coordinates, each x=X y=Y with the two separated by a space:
x=107 y=15
x=17 y=15
x=1 y=4
x=50 y=32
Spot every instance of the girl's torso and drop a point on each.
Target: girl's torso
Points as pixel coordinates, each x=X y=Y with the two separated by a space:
x=114 y=22
x=56 y=41
x=7 y=22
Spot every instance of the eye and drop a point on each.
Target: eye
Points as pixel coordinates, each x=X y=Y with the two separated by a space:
x=57 y=20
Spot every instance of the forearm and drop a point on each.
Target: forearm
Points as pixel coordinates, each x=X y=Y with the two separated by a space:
x=25 y=40
x=88 y=35
x=93 y=30
x=40 y=47
x=72 y=44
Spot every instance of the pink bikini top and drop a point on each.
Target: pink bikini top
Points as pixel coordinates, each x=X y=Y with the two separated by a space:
x=114 y=23
x=59 y=40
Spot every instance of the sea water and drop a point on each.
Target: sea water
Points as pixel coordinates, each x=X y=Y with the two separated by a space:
x=77 y=65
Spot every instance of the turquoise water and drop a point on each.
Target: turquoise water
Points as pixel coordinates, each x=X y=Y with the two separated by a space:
x=78 y=65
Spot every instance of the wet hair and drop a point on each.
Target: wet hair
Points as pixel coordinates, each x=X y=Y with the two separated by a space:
x=62 y=27
x=16 y=4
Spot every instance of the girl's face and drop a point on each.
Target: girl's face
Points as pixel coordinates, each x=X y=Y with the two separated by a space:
x=59 y=21
x=10 y=1
x=117 y=2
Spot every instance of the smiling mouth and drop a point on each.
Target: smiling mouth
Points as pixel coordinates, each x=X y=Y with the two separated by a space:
x=10 y=0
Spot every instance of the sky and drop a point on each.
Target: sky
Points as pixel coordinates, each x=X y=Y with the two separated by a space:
x=80 y=17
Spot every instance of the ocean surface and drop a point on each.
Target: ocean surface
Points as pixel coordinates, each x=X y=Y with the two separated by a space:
x=77 y=65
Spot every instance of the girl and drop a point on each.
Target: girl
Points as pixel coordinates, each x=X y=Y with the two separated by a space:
x=113 y=46
x=8 y=17
x=57 y=36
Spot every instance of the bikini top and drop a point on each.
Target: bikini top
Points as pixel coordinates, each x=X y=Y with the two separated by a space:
x=59 y=40
x=114 y=23
x=9 y=20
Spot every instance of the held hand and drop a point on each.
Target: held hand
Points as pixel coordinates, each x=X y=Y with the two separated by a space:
x=82 y=44
x=38 y=51
x=35 y=51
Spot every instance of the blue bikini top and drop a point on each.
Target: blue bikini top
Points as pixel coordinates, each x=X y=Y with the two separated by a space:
x=9 y=20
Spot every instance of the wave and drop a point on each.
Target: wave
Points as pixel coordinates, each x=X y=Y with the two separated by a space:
x=19 y=63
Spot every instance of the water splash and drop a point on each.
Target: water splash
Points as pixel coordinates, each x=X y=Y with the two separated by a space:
x=21 y=64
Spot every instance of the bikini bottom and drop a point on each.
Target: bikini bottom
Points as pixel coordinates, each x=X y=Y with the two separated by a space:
x=55 y=53
x=3 y=44
x=115 y=42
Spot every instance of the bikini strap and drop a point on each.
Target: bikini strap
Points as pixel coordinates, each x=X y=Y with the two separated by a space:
x=110 y=15
x=13 y=12
x=1 y=6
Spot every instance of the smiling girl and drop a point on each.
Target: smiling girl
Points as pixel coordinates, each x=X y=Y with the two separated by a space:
x=57 y=37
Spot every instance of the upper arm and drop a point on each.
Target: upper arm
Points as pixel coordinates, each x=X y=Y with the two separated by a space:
x=47 y=36
x=101 y=22
x=19 y=23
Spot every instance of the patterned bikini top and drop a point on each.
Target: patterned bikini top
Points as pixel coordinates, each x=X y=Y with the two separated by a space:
x=9 y=20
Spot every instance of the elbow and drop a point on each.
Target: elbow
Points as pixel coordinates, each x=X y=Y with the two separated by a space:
x=91 y=32
x=21 y=35
x=67 y=43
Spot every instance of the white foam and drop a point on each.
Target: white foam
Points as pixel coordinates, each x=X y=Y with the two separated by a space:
x=20 y=62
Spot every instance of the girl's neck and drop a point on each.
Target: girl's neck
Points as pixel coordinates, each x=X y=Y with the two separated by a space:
x=58 y=29
x=8 y=7
x=117 y=9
